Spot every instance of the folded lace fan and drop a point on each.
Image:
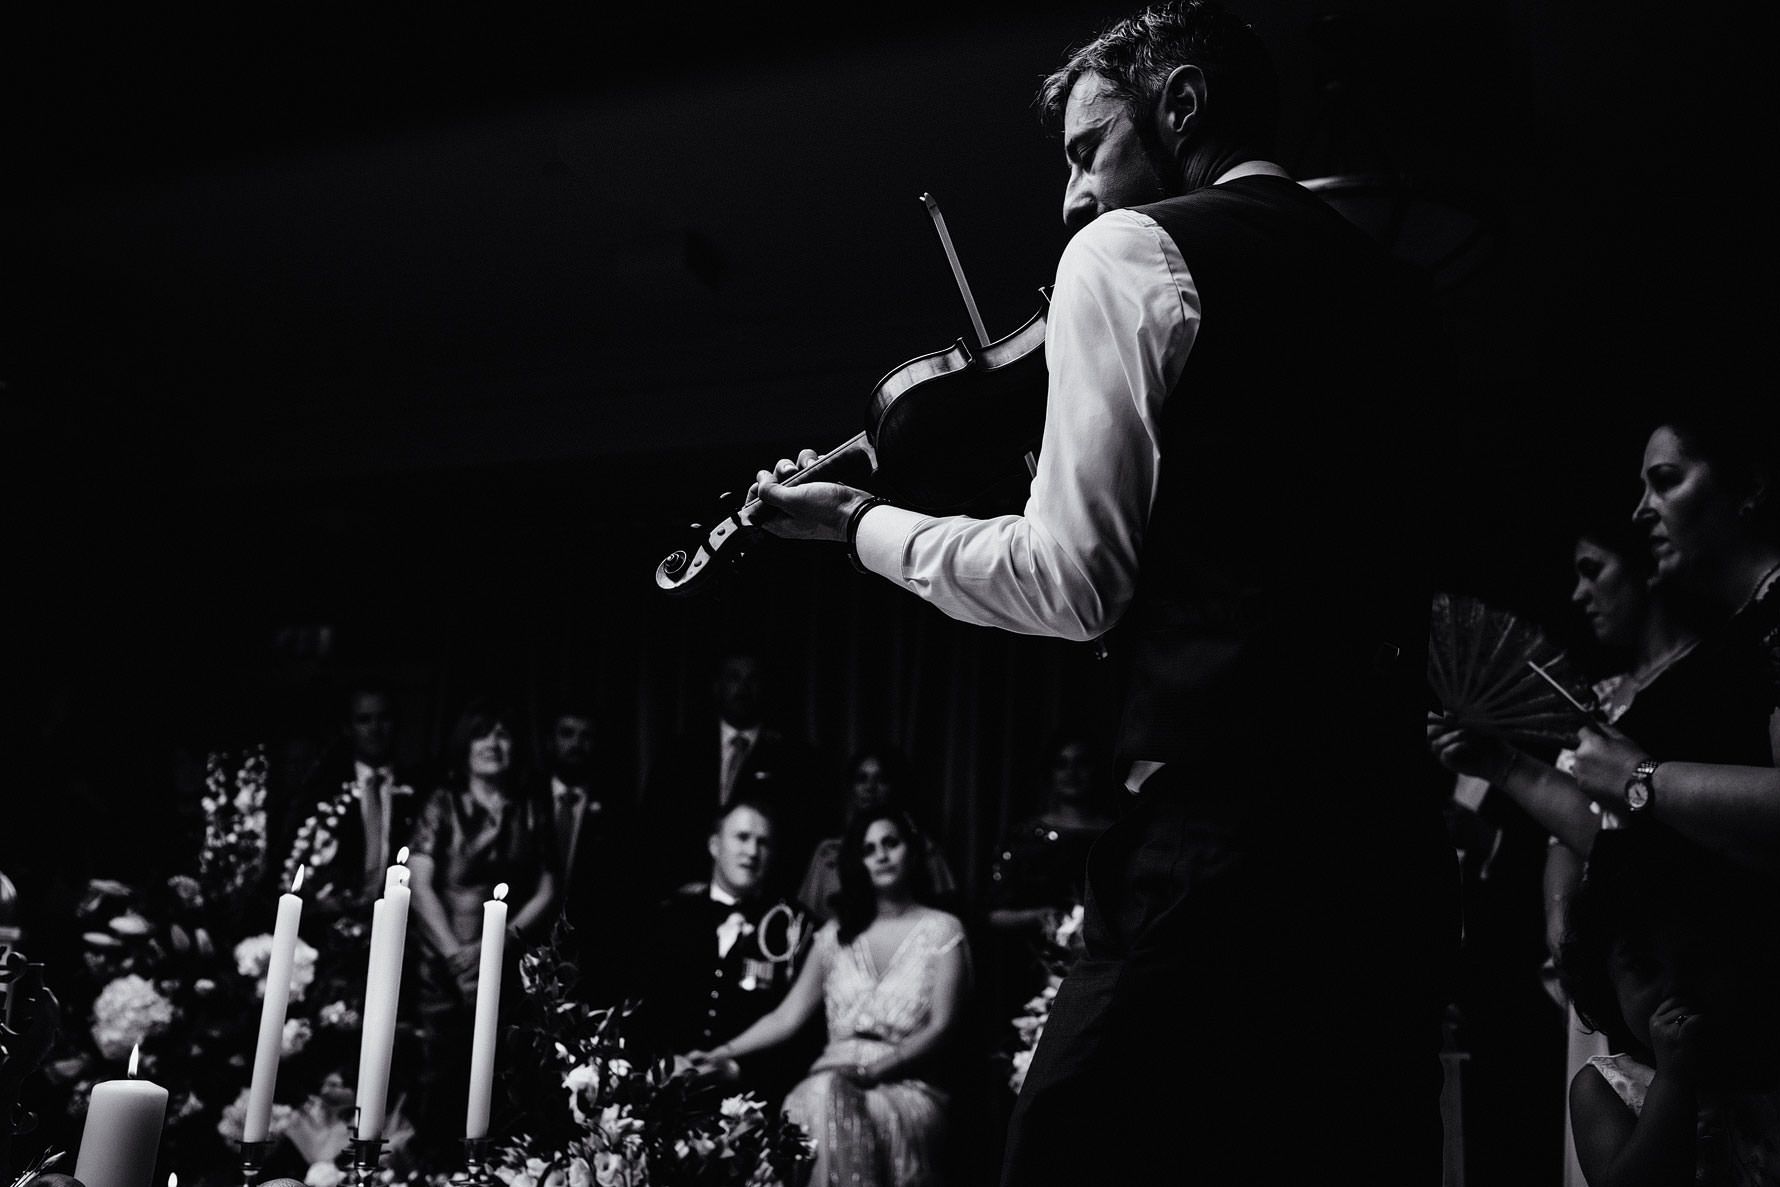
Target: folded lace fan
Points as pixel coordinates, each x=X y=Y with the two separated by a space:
x=1498 y=674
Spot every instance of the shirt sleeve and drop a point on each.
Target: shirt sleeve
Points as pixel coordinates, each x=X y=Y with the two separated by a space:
x=1124 y=313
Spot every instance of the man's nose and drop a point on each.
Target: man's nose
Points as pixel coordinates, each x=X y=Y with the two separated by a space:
x=1078 y=204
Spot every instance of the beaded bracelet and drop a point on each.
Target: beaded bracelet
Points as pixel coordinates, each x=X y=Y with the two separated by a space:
x=853 y=530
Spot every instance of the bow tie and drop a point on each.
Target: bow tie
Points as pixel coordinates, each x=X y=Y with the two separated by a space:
x=732 y=929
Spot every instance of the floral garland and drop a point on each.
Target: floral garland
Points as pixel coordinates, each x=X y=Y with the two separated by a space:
x=233 y=857
x=1062 y=942
x=310 y=848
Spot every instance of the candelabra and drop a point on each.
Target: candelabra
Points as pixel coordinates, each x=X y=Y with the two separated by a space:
x=253 y=1157
x=475 y=1162
x=366 y=1154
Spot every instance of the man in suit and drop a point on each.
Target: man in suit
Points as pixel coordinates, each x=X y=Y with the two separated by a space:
x=721 y=953
x=354 y=811
x=598 y=882
x=740 y=752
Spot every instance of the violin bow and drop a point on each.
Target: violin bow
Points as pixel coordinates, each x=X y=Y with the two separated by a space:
x=945 y=241
x=970 y=302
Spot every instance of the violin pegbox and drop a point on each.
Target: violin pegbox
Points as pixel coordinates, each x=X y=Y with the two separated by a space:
x=690 y=568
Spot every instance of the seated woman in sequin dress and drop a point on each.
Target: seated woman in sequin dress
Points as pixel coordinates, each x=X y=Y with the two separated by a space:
x=892 y=975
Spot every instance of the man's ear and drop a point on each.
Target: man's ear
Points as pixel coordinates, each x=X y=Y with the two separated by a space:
x=711 y=846
x=1180 y=110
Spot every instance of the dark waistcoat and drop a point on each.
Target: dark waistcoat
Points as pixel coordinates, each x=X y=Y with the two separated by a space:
x=1281 y=563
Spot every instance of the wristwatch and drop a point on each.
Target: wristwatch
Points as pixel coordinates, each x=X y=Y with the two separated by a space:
x=1637 y=788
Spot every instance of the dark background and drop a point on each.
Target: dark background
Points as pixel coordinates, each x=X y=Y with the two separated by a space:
x=411 y=342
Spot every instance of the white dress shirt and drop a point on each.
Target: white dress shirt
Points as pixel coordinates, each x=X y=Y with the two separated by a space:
x=570 y=803
x=1123 y=317
x=375 y=812
x=732 y=928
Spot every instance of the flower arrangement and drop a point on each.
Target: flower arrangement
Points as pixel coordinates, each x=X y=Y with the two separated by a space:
x=621 y=1118
x=1062 y=941
x=232 y=861
x=178 y=967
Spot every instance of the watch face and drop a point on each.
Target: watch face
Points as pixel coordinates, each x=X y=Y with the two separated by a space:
x=1637 y=794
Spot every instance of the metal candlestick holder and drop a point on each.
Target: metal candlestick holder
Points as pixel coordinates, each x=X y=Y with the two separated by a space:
x=366 y=1154
x=475 y=1162
x=253 y=1157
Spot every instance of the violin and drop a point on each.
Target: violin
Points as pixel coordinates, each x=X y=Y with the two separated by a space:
x=952 y=432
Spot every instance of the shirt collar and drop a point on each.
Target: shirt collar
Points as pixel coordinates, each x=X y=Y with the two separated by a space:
x=1252 y=169
x=362 y=771
x=562 y=791
x=730 y=731
x=720 y=895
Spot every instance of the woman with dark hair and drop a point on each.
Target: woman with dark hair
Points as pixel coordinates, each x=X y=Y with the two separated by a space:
x=877 y=776
x=475 y=833
x=1697 y=753
x=1638 y=634
x=1036 y=878
x=891 y=974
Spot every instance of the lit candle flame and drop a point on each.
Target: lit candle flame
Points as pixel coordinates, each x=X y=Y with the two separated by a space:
x=402 y=856
x=296 y=883
x=172 y=1179
x=135 y=1059
x=500 y=891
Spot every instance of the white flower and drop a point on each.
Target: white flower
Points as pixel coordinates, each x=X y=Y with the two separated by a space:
x=740 y=1106
x=254 y=954
x=323 y=1174
x=582 y=1082
x=127 y=1011
x=1022 y=1060
x=130 y=924
x=620 y=1068
x=580 y=1174
x=297 y=1033
x=339 y=1016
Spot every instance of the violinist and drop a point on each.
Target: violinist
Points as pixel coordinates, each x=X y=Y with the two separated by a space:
x=1275 y=912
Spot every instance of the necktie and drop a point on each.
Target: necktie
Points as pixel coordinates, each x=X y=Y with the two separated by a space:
x=732 y=763
x=376 y=830
x=568 y=828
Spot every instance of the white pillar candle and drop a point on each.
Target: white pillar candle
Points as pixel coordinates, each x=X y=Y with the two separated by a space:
x=488 y=1008
x=122 y=1135
x=257 y=1125
x=383 y=981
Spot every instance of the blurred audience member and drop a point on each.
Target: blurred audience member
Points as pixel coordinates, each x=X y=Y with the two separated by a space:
x=357 y=808
x=597 y=861
x=476 y=832
x=877 y=776
x=1037 y=875
x=737 y=750
x=721 y=953
x=891 y=975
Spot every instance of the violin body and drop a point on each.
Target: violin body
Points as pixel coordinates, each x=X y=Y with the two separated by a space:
x=947 y=433
x=951 y=429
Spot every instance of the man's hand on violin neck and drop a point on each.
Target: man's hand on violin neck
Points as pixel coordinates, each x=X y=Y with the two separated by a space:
x=805 y=510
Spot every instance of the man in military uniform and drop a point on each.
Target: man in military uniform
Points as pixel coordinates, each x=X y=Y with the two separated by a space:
x=722 y=953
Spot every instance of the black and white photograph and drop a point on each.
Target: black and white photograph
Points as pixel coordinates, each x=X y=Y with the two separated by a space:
x=958 y=595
